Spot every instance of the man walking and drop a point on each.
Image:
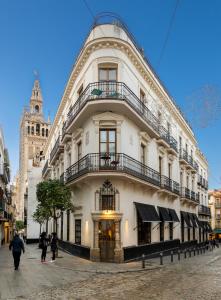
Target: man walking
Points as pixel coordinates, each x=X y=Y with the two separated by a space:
x=17 y=246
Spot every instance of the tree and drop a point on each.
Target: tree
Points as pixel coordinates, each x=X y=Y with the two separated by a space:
x=19 y=225
x=55 y=197
x=41 y=215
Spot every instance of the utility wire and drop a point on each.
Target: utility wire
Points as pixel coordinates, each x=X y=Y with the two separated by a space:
x=168 y=33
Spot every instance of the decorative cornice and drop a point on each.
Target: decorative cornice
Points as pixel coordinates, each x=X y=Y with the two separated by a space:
x=140 y=65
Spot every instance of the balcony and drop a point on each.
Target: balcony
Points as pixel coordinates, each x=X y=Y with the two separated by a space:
x=46 y=169
x=189 y=196
x=204 y=210
x=115 y=97
x=65 y=136
x=169 y=185
x=56 y=151
x=5 y=172
x=62 y=178
x=202 y=182
x=188 y=161
x=217 y=205
x=166 y=139
x=112 y=164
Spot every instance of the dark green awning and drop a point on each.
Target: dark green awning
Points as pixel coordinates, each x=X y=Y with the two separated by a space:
x=186 y=218
x=173 y=215
x=147 y=212
x=164 y=214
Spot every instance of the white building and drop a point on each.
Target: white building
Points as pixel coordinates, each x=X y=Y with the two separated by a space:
x=127 y=153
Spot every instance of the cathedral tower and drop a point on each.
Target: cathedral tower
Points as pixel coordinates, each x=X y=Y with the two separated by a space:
x=34 y=131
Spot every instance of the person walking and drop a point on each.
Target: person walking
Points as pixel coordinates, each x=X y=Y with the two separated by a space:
x=54 y=246
x=16 y=246
x=43 y=245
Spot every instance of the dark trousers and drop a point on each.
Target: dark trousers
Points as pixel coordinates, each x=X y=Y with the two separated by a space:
x=43 y=253
x=16 y=256
x=53 y=254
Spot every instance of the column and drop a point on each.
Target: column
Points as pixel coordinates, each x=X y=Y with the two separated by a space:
x=95 y=251
x=118 y=251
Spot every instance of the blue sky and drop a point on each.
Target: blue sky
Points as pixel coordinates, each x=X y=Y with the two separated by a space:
x=46 y=35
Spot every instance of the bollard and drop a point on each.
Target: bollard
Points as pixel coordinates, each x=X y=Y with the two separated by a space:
x=161 y=258
x=171 y=253
x=143 y=261
x=178 y=254
x=184 y=253
x=194 y=251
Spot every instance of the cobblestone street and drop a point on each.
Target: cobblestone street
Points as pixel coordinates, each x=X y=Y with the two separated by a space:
x=74 y=278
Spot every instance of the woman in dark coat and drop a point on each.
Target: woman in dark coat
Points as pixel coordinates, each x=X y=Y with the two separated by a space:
x=43 y=245
x=54 y=245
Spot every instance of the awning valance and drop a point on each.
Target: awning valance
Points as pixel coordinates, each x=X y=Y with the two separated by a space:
x=186 y=218
x=164 y=214
x=147 y=212
x=209 y=227
x=173 y=215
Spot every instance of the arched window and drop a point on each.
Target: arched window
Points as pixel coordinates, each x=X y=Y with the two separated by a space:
x=46 y=132
x=28 y=129
x=36 y=108
x=43 y=132
x=32 y=130
x=38 y=129
x=107 y=199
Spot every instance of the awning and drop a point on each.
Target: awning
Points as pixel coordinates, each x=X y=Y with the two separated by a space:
x=217 y=230
x=197 y=220
x=186 y=218
x=164 y=214
x=147 y=212
x=173 y=215
x=191 y=216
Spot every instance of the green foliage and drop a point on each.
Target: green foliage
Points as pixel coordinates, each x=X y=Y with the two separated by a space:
x=41 y=214
x=54 y=197
x=19 y=225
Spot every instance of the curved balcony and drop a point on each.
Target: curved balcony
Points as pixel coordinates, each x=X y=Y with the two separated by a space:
x=167 y=140
x=115 y=97
x=112 y=164
x=204 y=210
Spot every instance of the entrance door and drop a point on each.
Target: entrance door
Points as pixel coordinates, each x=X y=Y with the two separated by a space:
x=107 y=240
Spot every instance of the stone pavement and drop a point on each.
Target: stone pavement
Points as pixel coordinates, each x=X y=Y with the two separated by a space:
x=70 y=277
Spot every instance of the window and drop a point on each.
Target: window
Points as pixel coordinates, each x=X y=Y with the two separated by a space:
x=80 y=90
x=43 y=132
x=107 y=141
x=188 y=234
x=159 y=117
x=37 y=129
x=194 y=235
x=144 y=231
x=28 y=129
x=36 y=108
x=32 y=130
x=187 y=181
x=168 y=127
x=78 y=232
x=142 y=154
x=69 y=159
x=181 y=179
x=46 y=132
x=68 y=225
x=107 y=196
x=200 y=235
x=180 y=143
x=79 y=150
x=161 y=231
x=62 y=216
x=107 y=74
x=142 y=95
x=171 y=230
x=169 y=170
x=160 y=165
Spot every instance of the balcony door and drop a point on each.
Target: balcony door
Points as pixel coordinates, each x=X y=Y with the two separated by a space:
x=107 y=147
x=107 y=76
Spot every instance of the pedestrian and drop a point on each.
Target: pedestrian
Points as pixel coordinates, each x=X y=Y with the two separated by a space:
x=43 y=244
x=54 y=246
x=17 y=246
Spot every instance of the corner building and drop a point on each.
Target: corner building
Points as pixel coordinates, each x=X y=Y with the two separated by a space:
x=123 y=147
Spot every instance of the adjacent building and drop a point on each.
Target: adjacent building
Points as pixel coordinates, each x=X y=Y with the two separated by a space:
x=215 y=207
x=34 y=130
x=6 y=210
x=138 y=180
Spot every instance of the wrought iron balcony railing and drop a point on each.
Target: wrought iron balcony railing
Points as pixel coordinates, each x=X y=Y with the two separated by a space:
x=116 y=162
x=188 y=194
x=204 y=210
x=167 y=137
x=169 y=184
x=121 y=92
x=189 y=159
x=45 y=168
x=56 y=147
